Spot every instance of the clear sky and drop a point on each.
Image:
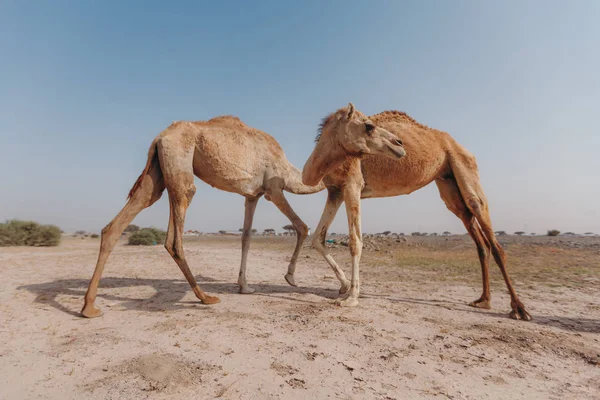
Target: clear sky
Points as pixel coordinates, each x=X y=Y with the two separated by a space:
x=86 y=85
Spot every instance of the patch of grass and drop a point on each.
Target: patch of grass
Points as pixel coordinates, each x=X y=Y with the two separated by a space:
x=28 y=233
x=525 y=265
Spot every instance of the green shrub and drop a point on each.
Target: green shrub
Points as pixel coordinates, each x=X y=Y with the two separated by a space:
x=132 y=228
x=147 y=237
x=28 y=233
x=553 y=232
x=95 y=236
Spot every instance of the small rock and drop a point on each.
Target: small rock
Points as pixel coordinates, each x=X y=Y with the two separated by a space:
x=350 y=365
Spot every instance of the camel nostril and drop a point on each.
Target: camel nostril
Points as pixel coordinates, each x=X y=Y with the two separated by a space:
x=398 y=142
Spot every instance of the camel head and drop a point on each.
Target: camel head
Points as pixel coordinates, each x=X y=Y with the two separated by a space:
x=348 y=132
x=358 y=135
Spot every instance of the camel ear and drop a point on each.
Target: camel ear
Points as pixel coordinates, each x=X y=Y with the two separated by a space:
x=350 y=111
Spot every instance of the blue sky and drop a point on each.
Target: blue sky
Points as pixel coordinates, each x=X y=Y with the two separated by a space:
x=85 y=86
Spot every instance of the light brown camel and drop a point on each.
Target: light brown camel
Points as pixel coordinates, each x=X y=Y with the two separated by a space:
x=225 y=153
x=353 y=168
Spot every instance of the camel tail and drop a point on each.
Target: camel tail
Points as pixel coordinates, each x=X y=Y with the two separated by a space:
x=151 y=158
x=293 y=183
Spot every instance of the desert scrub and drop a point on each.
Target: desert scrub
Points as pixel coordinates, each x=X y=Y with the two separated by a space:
x=147 y=237
x=28 y=233
x=553 y=232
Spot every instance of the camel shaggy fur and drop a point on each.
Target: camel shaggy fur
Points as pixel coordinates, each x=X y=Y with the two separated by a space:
x=353 y=172
x=225 y=153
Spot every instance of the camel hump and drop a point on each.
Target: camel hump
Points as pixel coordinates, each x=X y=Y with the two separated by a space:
x=223 y=118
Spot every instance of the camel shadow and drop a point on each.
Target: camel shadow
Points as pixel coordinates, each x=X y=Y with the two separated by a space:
x=168 y=296
x=569 y=324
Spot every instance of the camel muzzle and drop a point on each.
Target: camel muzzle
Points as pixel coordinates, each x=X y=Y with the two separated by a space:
x=398 y=151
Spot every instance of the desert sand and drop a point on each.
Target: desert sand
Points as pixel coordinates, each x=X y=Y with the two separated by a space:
x=413 y=335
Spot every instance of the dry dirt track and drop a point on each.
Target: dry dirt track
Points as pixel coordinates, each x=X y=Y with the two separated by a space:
x=412 y=336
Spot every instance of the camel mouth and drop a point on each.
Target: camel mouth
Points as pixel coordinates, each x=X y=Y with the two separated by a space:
x=397 y=151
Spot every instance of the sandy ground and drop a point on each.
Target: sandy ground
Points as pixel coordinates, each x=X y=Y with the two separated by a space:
x=412 y=337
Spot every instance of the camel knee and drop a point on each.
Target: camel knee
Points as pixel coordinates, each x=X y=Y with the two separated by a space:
x=173 y=251
x=475 y=204
x=497 y=250
x=156 y=195
x=189 y=194
x=302 y=230
x=319 y=244
x=169 y=248
x=483 y=251
x=355 y=245
x=106 y=230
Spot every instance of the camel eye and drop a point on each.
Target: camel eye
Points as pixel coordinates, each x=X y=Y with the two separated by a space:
x=369 y=127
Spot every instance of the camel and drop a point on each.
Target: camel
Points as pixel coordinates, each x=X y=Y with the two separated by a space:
x=225 y=153
x=355 y=166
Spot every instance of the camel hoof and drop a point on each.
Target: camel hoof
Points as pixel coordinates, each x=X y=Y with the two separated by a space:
x=290 y=279
x=345 y=287
x=91 y=312
x=480 y=303
x=520 y=314
x=210 y=300
x=348 y=302
x=246 y=290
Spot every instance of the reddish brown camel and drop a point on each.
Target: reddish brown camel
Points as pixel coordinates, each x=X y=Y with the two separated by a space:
x=353 y=168
x=225 y=153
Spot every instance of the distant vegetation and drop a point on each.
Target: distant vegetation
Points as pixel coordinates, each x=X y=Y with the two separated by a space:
x=553 y=232
x=28 y=233
x=132 y=228
x=500 y=233
x=147 y=237
x=520 y=233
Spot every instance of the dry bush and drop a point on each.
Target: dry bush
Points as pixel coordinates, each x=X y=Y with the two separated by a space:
x=553 y=232
x=28 y=233
x=147 y=237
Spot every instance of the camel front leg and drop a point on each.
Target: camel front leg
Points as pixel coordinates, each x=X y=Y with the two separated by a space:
x=251 y=203
x=352 y=199
x=334 y=201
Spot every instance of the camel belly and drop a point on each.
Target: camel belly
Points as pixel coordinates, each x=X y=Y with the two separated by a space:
x=385 y=178
x=370 y=192
x=220 y=170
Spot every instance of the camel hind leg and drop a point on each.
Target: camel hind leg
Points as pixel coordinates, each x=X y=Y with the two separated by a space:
x=176 y=165
x=149 y=191
x=450 y=193
x=472 y=193
x=278 y=198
